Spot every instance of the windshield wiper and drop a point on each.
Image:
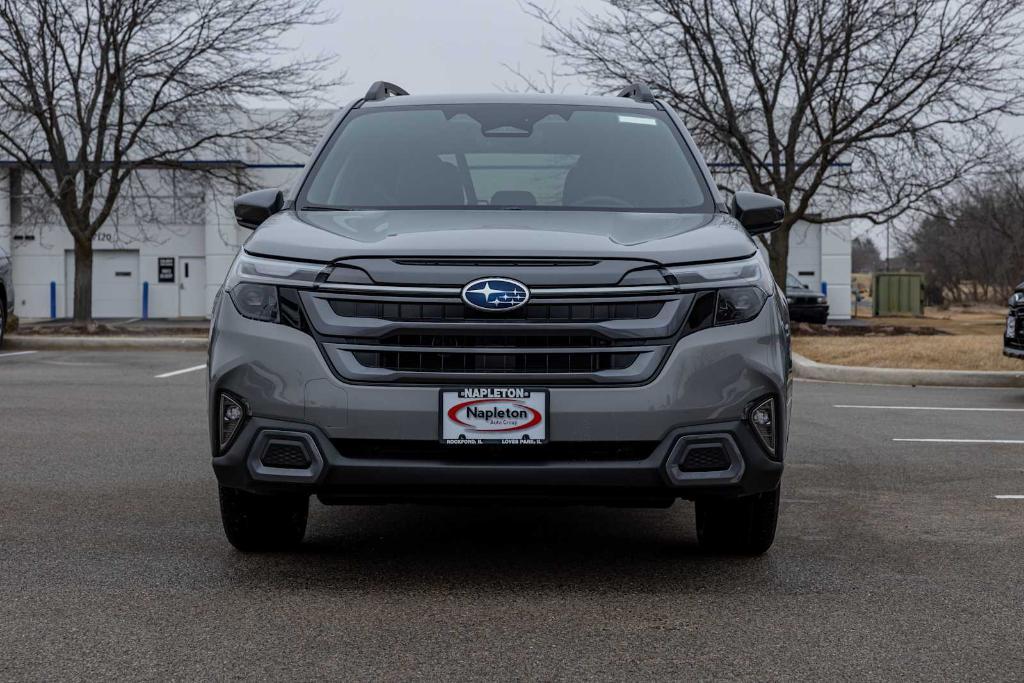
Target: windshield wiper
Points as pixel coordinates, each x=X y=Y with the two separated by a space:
x=324 y=208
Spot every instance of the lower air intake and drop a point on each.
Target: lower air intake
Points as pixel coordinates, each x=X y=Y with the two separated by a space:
x=292 y=456
x=707 y=458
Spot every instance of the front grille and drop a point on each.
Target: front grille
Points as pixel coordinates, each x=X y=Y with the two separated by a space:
x=286 y=455
x=468 y=362
x=534 y=312
x=419 y=331
x=705 y=459
x=557 y=451
x=1016 y=340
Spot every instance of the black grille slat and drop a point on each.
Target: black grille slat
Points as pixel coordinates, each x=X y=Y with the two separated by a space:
x=431 y=312
x=546 y=363
x=495 y=341
x=562 y=451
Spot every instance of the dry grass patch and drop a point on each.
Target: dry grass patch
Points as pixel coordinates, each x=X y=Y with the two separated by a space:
x=960 y=352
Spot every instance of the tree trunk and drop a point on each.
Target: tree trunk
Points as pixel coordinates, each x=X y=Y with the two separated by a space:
x=83 y=282
x=778 y=254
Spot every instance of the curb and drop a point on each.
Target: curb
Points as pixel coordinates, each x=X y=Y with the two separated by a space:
x=62 y=343
x=805 y=368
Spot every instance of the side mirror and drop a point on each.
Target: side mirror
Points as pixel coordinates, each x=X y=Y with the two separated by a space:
x=758 y=213
x=252 y=208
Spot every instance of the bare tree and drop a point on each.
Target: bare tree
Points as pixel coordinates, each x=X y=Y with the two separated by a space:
x=92 y=91
x=540 y=81
x=844 y=109
x=864 y=255
x=970 y=246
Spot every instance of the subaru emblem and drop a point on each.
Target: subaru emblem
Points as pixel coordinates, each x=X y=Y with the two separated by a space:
x=495 y=294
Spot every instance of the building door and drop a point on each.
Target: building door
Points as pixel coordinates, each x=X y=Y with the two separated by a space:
x=192 y=287
x=115 y=284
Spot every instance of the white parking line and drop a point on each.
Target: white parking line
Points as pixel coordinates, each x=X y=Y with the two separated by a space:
x=963 y=440
x=974 y=410
x=1014 y=496
x=16 y=353
x=180 y=372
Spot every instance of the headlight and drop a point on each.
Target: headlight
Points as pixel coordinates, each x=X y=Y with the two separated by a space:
x=252 y=283
x=255 y=301
x=822 y=300
x=742 y=286
x=738 y=304
x=749 y=271
x=251 y=268
x=1017 y=298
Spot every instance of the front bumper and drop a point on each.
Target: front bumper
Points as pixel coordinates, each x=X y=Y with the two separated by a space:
x=808 y=313
x=702 y=393
x=1012 y=352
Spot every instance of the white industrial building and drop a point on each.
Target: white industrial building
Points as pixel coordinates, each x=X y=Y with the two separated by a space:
x=166 y=254
x=820 y=257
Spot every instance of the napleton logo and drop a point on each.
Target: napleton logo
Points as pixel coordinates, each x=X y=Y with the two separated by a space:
x=494 y=415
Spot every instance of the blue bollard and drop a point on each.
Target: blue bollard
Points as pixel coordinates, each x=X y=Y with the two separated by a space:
x=824 y=288
x=53 y=300
x=145 y=301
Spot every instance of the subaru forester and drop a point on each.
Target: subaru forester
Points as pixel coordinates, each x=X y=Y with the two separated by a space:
x=538 y=299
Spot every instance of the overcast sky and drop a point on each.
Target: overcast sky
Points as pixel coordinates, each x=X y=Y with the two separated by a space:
x=434 y=46
x=439 y=46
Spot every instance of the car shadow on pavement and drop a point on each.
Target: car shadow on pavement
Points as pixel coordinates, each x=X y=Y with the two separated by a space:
x=496 y=548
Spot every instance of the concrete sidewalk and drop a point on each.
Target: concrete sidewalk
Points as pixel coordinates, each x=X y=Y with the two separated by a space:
x=126 y=326
x=805 y=368
x=100 y=342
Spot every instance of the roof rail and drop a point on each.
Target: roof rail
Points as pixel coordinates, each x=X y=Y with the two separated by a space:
x=382 y=90
x=637 y=91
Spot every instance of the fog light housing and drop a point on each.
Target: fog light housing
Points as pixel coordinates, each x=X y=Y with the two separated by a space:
x=232 y=413
x=762 y=419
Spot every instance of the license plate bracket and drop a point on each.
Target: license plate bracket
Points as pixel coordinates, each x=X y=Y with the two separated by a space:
x=512 y=416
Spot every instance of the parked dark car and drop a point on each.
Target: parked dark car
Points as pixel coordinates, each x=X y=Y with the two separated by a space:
x=1013 y=339
x=805 y=305
x=6 y=292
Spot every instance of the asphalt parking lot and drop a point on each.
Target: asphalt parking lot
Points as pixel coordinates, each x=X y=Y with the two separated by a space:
x=895 y=558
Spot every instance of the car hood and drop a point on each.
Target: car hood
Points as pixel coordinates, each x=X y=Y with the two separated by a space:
x=801 y=293
x=326 y=236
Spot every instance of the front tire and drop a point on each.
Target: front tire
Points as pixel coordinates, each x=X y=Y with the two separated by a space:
x=255 y=523
x=740 y=526
x=3 y=319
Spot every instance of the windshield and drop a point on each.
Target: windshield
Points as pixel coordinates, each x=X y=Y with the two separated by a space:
x=519 y=156
x=792 y=281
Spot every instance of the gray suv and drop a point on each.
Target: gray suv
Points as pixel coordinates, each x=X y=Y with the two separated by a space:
x=501 y=298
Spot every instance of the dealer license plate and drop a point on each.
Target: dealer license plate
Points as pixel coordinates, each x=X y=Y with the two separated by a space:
x=1011 y=326
x=494 y=415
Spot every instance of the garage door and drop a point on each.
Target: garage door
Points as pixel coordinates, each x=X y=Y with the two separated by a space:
x=115 y=284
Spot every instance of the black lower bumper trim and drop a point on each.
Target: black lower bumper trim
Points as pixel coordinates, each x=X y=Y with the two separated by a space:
x=367 y=477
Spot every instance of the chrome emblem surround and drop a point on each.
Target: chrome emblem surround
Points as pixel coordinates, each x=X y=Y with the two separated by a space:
x=495 y=294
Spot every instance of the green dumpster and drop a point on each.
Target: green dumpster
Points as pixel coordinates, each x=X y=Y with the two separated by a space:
x=898 y=294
